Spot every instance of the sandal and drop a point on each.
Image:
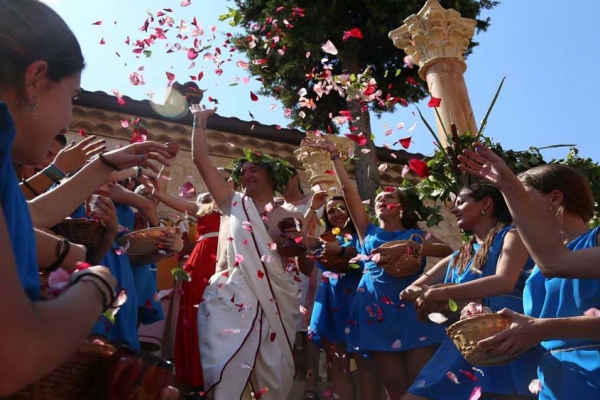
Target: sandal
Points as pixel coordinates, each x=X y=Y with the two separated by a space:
x=310 y=395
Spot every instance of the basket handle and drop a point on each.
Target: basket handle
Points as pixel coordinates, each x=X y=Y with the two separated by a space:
x=411 y=243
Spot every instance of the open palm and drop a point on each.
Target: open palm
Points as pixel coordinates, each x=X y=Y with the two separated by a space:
x=485 y=164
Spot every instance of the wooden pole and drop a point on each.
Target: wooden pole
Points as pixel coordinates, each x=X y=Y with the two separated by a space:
x=437 y=40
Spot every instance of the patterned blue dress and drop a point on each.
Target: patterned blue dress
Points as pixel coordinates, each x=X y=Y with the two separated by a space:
x=16 y=212
x=568 y=369
x=513 y=378
x=124 y=329
x=379 y=321
x=331 y=310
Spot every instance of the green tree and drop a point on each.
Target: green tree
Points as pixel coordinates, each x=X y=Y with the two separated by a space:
x=283 y=42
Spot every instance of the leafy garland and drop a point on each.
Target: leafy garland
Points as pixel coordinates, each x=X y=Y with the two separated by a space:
x=443 y=180
x=278 y=169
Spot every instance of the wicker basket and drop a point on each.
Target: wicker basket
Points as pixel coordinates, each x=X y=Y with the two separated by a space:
x=406 y=264
x=81 y=231
x=144 y=242
x=467 y=333
x=73 y=380
x=332 y=262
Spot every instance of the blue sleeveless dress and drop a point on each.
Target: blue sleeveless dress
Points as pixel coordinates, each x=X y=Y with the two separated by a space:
x=513 y=378
x=124 y=329
x=16 y=212
x=331 y=310
x=568 y=369
x=379 y=320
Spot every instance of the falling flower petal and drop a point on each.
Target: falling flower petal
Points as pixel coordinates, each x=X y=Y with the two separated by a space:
x=397 y=344
x=253 y=97
x=452 y=377
x=329 y=48
x=82 y=133
x=437 y=318
x=434 y=102
x=412 y=127
x=185 y=3
x=405 y=142
x=97 y=23
x=352 y=33
x=361 y=140
x=192 y=54
x=535 y=386
x=382 y=167
x=187 y=190
x=476 y=393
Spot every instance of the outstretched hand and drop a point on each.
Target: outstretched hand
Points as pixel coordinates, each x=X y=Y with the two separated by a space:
x=140 y=154
x=514 y=340
x=202 y=114
x=74 y=155
x=485 y=164
x=321 y=143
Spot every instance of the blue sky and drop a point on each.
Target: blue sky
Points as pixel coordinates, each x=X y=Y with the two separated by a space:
x=547 y=49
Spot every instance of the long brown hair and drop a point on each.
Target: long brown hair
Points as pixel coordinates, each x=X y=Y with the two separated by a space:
x=478 y=192
x=31 y=31
x=577 y=194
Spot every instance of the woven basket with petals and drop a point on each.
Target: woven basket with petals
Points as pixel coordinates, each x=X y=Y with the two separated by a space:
x=468 y=332
x=407 y=264
x=81 y=231
x=145 y=241
x=73 y=380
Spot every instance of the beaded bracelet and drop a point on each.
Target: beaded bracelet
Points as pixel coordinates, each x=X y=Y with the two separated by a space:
x=335 y=156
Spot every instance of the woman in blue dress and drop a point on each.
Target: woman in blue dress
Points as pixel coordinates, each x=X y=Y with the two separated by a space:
x=551 y=206
x=381 y=325
x=40 y=71
x=493 y=266
x=331 y=310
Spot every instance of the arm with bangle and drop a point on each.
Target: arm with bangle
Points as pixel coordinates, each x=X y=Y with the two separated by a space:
x=41 y=335
x=54 y=252
x=41 y=181
x=52 y=207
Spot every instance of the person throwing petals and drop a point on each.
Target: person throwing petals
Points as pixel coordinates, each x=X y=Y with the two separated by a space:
x=379 y=324
x=551 y=206
x=248 y=315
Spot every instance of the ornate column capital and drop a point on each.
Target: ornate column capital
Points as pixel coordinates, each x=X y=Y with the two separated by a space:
x=434 y=34
x=319 y=167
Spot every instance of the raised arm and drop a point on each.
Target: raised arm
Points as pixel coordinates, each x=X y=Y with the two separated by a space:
x=52 y=207
x=537 y=232
x=351 y=196
x=213 y=179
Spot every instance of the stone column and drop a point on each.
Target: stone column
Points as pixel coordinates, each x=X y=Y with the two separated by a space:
x=319 y=167
x=437 y=40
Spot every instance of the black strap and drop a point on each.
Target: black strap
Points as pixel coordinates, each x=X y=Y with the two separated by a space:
x=62 y=250
x=108 y=163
